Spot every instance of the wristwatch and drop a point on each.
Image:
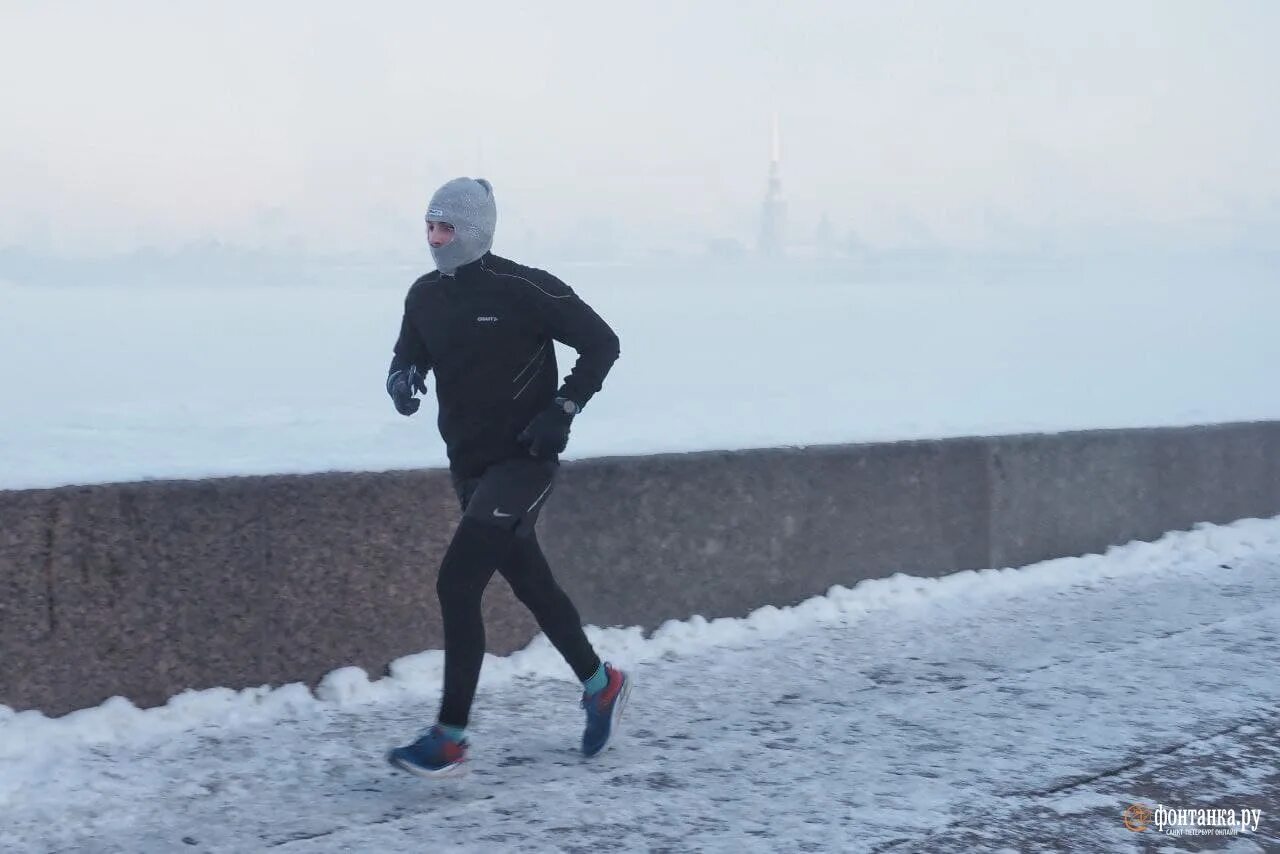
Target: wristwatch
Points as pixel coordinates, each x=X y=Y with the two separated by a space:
x=567 y=405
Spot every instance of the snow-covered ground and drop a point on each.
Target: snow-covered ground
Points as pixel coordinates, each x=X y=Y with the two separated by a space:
x=107 y=383
x=994 y=710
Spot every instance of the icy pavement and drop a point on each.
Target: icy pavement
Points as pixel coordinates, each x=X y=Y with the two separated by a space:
x=1013 y=710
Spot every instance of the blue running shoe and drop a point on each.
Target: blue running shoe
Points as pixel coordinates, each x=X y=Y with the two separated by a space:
x=604 y=710
x=433 y=755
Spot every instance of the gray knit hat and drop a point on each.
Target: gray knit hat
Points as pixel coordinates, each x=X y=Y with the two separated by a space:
x=466 y=204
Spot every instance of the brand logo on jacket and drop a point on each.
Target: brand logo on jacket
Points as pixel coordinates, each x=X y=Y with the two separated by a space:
x=487 y=319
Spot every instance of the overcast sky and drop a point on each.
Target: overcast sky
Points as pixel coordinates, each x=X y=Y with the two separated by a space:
x=977 y=125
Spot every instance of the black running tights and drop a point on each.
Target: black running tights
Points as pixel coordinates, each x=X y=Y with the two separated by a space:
x=477 y=549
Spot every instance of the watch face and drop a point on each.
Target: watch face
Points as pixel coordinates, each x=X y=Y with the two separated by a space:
x=569 y=406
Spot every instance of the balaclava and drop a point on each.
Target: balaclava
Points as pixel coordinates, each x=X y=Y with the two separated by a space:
x=466 y=204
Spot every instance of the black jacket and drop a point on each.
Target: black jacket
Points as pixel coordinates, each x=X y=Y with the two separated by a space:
x=487 y=334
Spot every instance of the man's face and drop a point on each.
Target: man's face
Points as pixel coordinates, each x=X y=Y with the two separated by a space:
x=439 y=233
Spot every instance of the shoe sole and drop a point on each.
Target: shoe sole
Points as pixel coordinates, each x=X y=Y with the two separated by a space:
x=457 y=769
x=615 y=717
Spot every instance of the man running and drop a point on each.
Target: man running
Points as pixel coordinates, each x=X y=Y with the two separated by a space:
x=486 y=327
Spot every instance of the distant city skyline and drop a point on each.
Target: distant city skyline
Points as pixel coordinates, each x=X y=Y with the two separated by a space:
x=313 y=128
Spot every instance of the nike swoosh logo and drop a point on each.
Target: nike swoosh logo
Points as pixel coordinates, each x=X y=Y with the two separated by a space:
x=500 y=514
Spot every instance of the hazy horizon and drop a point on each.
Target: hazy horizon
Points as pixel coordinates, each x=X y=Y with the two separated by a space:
x=313 y=128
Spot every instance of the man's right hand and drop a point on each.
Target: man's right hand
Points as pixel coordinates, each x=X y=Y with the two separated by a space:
x=403 y=384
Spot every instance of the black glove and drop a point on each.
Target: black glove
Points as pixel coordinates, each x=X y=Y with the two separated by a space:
x=402 y=386
x=548 y=432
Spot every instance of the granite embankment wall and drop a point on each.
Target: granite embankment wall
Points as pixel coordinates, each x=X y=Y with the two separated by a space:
x=144 y=589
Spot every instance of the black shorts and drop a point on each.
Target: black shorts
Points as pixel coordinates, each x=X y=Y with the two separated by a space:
x=509 y=494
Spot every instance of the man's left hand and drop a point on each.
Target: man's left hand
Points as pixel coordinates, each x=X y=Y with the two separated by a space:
x=548 y=433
